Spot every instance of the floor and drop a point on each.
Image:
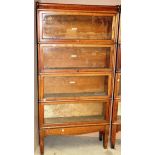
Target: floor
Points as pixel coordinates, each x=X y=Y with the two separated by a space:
x=78 y=145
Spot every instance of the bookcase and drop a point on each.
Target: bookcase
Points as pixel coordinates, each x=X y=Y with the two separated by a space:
x=116 y=108
x=76 y=61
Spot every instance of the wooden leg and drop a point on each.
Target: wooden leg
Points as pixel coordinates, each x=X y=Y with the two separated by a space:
x=100 y=135
x=41 y=142
x=106 y=136
x=113 y=135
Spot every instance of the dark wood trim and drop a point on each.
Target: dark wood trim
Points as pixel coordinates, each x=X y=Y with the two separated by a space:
x=70 y=73
x=75 y=41
x=74 y=72
x=77 y=7
x=77 y=124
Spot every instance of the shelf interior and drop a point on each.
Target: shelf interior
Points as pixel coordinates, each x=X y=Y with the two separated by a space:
x=72 y=57
x=59 y=120
x=75 y=112
x=74 y=94
x=77 y=27
x=71 y=86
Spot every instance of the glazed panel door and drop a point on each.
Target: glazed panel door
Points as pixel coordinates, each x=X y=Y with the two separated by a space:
x=57 y=25
x=73 y=87
x=75 y=56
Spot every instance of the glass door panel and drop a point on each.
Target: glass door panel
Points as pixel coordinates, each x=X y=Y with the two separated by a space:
x=76 y=57
x=75 y=86
x=57 y=26
x=75 y=112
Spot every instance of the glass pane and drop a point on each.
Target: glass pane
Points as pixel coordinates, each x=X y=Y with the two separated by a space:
x=76 y=57
x=80 y=112
x=77 y=27
x=75 y=86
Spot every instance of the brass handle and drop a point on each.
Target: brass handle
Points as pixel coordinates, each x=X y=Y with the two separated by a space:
x=72 y=82
x=74 y=28
x=73 y=56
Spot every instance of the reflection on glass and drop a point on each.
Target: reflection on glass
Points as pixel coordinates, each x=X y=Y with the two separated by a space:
x=76 y=57
x=75 y=86
x=77 y=27
x=62 y=113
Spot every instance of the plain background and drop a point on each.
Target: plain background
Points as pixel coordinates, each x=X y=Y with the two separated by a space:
x=17 y=77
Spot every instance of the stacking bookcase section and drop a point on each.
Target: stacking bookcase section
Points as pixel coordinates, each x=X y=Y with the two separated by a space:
x=77 y=57
x=74 y=118
x=116 y=109
x=116 y=112
x=76 y=62
x=75 y=86
x=75 y=25
x=74 y=113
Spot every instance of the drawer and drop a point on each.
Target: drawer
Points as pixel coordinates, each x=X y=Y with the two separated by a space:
x=74 y=56
x=74 y=130
x=116 y=116
x=59 y=87
x=117 y=85
x=75 y=25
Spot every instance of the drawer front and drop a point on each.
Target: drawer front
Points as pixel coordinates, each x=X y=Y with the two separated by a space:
x=117 y=85
x=56 y=56
x=74 y=131
x=75 y=25
x=74 y=86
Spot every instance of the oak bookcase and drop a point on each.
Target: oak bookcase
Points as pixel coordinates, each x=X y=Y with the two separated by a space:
x=76 y=62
